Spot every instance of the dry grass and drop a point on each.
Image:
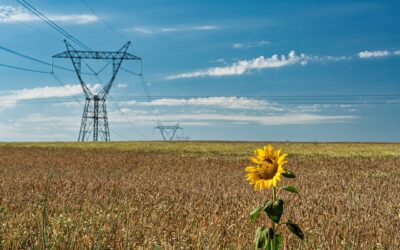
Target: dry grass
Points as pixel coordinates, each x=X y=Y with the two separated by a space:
x=192 y=196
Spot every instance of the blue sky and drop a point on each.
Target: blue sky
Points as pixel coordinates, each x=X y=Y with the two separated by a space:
x=225 y=70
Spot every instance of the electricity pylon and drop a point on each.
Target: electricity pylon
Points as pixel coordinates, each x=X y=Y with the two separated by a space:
x=168 y=132
x=94 y=118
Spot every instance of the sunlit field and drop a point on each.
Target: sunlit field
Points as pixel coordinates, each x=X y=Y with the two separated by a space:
x=192 y=195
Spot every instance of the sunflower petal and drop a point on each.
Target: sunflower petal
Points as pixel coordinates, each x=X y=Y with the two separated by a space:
x=260 y=154
x=282 y=158
x=250 y=169
x=270 y=149
x=274 y=182
x=254 y=160
x=281 y=170
x=268 y=182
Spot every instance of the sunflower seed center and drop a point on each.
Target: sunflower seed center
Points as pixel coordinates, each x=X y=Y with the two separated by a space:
x=267 y=170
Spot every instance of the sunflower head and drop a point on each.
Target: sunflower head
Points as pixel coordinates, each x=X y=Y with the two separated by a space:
x=268 y=167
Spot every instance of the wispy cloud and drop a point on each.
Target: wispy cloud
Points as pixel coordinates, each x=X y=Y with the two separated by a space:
x=10 y=98
x=122 y=85
x=11 y=14
x=218 y=102
x=378 y=53
x=371 y=54
x=212 y=118
x=286 y=119
x=248 y=45
x=245 y=66
x=63 y=127
x=324 y=59
x=155 y=30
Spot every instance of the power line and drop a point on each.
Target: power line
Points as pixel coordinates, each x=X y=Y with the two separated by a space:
x=143 y=81
x=58 y=80
x=115 y=104
x=38 y=30
x=130 y=123
x=24 y=56
x=74 y=98
x=120 y=135
x=140 y=74
x=31 y=59
x=277 y=97
x=24 y=69
x=64 y=32
x=104 y=22
x=44 y=18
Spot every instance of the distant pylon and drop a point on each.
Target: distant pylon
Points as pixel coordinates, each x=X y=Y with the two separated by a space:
x=94 y=118
x=168 y=132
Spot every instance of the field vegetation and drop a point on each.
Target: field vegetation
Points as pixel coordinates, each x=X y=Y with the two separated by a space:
x=192 y=195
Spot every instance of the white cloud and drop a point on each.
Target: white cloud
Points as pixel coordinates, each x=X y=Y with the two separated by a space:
x=323 y=59
x=10 y=98
x=11 y=14
x=267 y=120
x=140 y=30
x=155 y=30
x=371 y=54
x=211 y=118
x=122 y=85
x=397 y=52
x=245 y=66
x=46 y=122
x=219 y=102
x=250 y=44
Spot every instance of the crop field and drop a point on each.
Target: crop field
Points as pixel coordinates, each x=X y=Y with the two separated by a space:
x=192 y=195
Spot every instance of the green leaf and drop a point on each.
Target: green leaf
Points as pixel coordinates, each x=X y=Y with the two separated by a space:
x=271 y=233
x=254 y=214
x=261 y=238
x=295 y=229
x=278 y=241
x=273 y=243
x=268 y=245
x=291 y=189
x=274 y=210
x=288 y=174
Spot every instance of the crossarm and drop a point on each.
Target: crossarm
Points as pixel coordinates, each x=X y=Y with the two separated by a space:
x=97 y=55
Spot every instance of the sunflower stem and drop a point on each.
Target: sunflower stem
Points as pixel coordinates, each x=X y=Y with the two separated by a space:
x=273 y=223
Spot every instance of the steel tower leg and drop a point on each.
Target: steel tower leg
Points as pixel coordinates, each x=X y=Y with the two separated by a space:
x=106 y=129
x=96 y=118
x=83 y=130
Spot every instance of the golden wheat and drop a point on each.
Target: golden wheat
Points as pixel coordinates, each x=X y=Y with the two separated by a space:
x=192 y=196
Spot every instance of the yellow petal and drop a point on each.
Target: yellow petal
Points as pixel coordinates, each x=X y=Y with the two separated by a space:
x=265 y=184
x=282 y=162
x=282 y=158
x=274 y=182
x=270 y=149
x=254 y=160
x=281 y=170
x=250 y=169
x=260 y=154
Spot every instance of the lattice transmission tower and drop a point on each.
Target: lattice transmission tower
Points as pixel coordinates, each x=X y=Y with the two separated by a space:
x=168 y=132
x=94 y=118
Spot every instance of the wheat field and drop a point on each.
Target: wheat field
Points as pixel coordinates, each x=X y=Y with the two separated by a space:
x=192 y=195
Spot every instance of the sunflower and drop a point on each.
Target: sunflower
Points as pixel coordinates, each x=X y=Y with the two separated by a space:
x=268 y=168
